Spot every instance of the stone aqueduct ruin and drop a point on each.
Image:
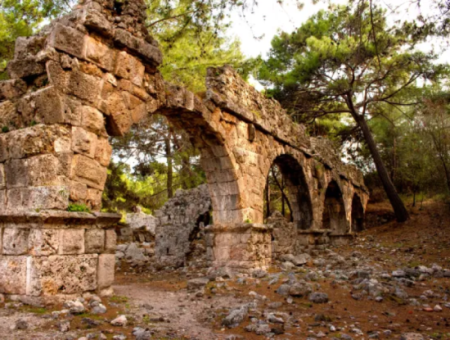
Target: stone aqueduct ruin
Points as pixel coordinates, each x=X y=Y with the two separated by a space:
x=93 y=74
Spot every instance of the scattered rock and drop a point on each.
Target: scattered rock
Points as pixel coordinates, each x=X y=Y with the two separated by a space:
x=300 y=289
x=99 y=309
x=235 y=317
x=412 y=336
x=21 y=324
x=120 y=321
x=196 y=284
x=75 y=307
x=318 y=297
x=64 y=326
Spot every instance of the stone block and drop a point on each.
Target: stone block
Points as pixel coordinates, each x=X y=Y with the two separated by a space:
x=49 y=107
x=2 y=177
x=26 y=47
x=57 y=274
x=99 y=54
x=94 y=241
x=35 y=140
x=92 y=120
x=43 y=242
x=4 y=154
x=88 y=171
x=147 y=51
x=94 y=199
x=13 y=274
x=83 y=142
x=129 y=67
x=103 y=152
x=24 y=68
x=2 y=202
x=16 y=173
x=71 y=242
x=95 y=21
x=85 y=86
x=44 y=170
x=37 y=198
x=119 y=120
x=110 y=241
x=10 y=89
x=56 y=75
x=78 y=191
x=63 y=145
x=8 y=115
x=68 y=40
x=106 y=264
x=15 y=241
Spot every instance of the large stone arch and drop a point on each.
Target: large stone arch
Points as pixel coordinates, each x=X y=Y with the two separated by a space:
x=298 y=190
x=93 y=74
x=334 y=213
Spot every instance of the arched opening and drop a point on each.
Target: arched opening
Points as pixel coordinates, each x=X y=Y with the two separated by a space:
x=357 y=214
x=287 y=192
x=334 y=210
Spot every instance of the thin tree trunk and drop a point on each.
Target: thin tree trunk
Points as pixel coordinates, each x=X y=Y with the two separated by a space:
x=394 y=160
x=283 y=205
x=282 y=192
x=399 y=208
x=169 y=165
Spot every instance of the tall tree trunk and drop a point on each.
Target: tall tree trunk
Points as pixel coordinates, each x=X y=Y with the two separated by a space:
x=283 y=204
x=399 y=208
x=394 y=160
x=169 y=165
x=282 y=192
x=267 y=197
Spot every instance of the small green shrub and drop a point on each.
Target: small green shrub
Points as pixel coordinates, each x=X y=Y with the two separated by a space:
x=5 y=129
x=78 y=208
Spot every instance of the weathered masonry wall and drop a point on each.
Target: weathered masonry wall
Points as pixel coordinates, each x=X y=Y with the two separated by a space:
x=94 y=73
x=179 y=222
x=57 y=253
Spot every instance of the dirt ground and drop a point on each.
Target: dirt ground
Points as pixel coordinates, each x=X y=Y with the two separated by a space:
x=161 y=303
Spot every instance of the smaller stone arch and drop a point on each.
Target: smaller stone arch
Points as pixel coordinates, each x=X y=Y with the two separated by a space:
x=357 y=214
x=334 y=217
x=298 y=190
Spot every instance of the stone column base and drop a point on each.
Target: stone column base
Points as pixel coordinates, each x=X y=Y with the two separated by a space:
x=310 y=240
x=53 y=255
x=243 y=247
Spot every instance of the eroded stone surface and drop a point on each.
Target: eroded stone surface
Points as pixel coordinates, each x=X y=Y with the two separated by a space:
x=179 y=222
x=58 y=274
x=13 y=274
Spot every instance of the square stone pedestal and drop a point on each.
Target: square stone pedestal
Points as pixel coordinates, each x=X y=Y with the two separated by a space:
x=242 y=247
x=53 y=255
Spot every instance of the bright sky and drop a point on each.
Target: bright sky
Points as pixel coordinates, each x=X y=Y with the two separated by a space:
x=269 y=18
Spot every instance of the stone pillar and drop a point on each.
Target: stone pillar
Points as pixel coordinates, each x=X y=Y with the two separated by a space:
x=55 y=255
x=241 y=247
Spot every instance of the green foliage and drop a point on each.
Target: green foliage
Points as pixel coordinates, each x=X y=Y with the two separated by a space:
x=346 y=62
x=5 y=129
x=163 y=160
x=188 y=47
x=74 y=207
x=20 y=18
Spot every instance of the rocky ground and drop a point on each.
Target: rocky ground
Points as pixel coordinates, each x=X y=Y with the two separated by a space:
x=392 y=283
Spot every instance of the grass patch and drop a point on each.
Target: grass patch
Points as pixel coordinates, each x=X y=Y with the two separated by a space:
x=118 y=299
x=78 y=208
x=36 y=310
